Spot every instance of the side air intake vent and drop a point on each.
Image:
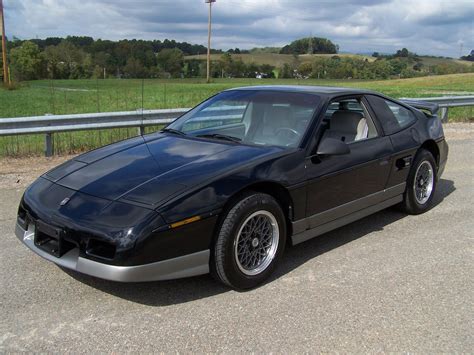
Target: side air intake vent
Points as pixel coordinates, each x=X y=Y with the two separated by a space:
x=100 y=249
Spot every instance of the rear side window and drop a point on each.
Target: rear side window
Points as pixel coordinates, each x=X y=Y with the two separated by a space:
x=392 y=117
x=403 y=115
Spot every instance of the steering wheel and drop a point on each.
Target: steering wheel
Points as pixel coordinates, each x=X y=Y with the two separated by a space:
x=288 y=133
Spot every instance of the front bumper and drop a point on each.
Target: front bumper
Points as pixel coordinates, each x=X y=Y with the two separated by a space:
x=179 y=267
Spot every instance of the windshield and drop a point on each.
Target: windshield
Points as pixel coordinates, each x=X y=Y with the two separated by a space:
x=251 y=117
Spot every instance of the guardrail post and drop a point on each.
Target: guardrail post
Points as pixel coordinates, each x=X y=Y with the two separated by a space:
x=141 y=130
x=444 y=114
x=48 y=145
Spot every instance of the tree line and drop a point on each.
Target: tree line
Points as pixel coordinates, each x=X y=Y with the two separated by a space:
x=78 y=57
x=402 y=64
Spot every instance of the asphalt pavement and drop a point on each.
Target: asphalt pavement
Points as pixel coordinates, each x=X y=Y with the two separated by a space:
x=389 y=282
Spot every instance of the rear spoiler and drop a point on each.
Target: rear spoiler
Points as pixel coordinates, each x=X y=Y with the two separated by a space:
x=431 y=107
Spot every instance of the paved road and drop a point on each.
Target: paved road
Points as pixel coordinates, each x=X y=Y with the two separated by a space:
x=389 y=282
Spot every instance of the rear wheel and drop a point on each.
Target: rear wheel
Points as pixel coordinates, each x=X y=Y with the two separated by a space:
x=421 y=184
x=250 y=242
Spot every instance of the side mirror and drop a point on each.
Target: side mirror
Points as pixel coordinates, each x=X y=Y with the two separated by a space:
x=331 y=146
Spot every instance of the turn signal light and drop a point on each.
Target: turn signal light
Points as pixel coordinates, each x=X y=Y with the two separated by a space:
x=185 y=221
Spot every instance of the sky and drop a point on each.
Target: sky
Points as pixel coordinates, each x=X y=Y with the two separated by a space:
x=434 y=27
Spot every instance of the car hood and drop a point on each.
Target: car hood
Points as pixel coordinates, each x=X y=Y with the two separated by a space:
x=151 y=169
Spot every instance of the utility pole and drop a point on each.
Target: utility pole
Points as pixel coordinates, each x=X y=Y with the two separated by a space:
x=209 y=40
x=6 y=77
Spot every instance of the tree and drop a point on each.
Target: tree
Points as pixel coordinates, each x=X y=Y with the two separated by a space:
x=80 y=41
x=311 y=45
x=150 y=59
x=381 y=69
x=26 y=62
x=192 y=68
x=55 y=67
x=267 y=70
x=320 y=68
x=238 y=69
x=252 y=70
x=134 y=69
x=397 y=65
x=305 y=69
x=171 y=61
x=402 y=53
x=226 y=62
x=286 y=72
x=418 y=66
x=66 y=61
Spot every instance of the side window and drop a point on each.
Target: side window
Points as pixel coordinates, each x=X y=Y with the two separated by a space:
x=353 y=105
x=392 y=116
x=348 y=120
x=404 y=116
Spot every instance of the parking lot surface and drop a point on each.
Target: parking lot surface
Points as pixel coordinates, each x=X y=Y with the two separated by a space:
x=389 y=282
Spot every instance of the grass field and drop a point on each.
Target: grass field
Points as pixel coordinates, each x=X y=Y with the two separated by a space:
x=82 y=96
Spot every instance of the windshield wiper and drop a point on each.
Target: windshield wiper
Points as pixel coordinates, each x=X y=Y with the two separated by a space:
x=220 y=136
x=173 y=131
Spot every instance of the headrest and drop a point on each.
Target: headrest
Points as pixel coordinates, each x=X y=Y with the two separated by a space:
x=345 y=121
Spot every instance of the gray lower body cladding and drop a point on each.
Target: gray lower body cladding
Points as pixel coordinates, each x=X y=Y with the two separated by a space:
x=326 y=221
x=179 y=267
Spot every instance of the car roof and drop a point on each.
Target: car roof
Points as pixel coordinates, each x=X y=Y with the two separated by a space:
x=318 y=90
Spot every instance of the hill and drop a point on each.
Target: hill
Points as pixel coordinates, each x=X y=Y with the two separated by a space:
x=277 y=59
x=428 y=60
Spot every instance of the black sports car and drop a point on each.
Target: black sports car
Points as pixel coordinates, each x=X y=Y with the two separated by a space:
x=226 y=186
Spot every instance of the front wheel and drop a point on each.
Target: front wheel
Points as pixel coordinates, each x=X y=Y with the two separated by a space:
x=421 y=184
x=250 y=242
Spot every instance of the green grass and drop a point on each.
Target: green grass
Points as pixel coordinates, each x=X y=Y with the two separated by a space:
x=83 y=96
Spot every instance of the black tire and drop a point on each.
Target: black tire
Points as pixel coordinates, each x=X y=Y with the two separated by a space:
x=410 y=203
x=225 y=266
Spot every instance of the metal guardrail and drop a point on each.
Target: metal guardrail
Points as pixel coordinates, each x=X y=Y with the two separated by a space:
x=86 y=121
x=445 y=102
x=50 y=124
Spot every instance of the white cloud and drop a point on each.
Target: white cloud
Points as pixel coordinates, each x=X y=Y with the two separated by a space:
x=424 y=26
